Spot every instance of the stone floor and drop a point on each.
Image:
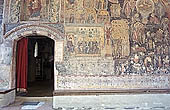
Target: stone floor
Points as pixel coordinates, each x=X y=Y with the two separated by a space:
x=19 y=100
x=114 y=102
x=48 y=106
x=149 y=104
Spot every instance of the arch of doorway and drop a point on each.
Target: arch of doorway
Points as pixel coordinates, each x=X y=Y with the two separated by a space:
x=34 y=29
x=29 y=30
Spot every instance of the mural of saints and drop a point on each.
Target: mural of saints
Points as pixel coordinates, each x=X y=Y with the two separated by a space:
x=138 y=33
x=115 y=10
x=145 y=7
x=113 y=1
x=101 y=4
x=71 y=1
x=70 y=43
x=34 y=8
x=88 y=4
x=120 y=36
x=128 y=7
x=70 y=4
x=84 y=41
x=108 y=40
x=103 y=16
x=42 y=10
x=159 y=8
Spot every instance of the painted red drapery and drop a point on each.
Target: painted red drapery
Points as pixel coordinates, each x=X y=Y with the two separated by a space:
x=21 y=66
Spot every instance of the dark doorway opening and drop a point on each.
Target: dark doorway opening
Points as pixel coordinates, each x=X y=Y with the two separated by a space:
x=40 y=72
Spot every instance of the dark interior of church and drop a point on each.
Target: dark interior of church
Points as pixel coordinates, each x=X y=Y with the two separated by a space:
x=40 y=72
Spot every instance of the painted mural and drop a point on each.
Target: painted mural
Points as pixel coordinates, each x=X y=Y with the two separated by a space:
x=108 y=43
x=85 y=41
x=136 y=31
x=134 y=41
x=34 y=10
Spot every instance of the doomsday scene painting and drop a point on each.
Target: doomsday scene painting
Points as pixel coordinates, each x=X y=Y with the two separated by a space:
x=109 y=40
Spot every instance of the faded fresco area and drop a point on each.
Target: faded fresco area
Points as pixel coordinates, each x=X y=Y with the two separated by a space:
x=108 y=44
x=5 y=63
x=5 y=55
x=4 y=78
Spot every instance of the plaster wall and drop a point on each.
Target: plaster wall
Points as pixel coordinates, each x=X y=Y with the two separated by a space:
x=5 y=55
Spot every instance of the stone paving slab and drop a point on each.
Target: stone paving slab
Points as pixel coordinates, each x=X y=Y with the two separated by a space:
x=19 y=100
x=114 y=108
x=46 y=106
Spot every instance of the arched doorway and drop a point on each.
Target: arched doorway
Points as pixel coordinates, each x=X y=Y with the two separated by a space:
x=35 y=66
x=38 y=31
x=35 y=30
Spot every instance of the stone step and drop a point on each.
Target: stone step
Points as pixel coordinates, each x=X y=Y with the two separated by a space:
x=114 y=102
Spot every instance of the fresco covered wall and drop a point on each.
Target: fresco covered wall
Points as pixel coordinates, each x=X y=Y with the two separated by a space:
x=115 y=44
x=108 y=44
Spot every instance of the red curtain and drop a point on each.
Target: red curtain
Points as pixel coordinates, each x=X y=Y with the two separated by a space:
x=21 y=66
